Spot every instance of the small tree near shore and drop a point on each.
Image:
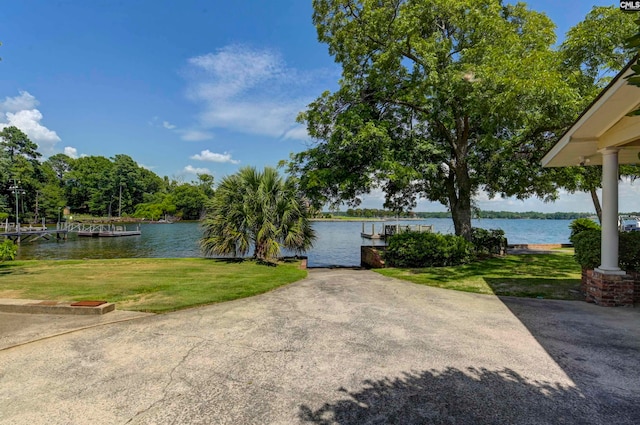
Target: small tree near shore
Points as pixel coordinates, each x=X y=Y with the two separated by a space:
x=8 y=250
x=256 y=209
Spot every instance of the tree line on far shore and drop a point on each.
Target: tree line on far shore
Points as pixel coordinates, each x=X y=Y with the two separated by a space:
x=91 y=185
x=381 y=213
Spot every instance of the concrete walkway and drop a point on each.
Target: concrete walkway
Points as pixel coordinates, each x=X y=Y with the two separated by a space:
x=341 y=347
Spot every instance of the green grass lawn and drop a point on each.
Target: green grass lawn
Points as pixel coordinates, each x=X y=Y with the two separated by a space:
x=553 y=276
x=153 y=285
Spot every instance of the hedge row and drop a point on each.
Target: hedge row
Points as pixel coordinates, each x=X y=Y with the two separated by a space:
x=587 y=246
x=413 y=249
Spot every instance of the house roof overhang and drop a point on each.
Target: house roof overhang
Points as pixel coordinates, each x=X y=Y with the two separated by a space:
x=604 y=125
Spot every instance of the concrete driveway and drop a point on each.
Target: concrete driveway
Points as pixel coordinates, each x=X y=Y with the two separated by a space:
x=341 y=347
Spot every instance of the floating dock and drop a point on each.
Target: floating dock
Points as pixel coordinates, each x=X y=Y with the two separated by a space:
x=373 y=234
x=101 y=230
x=391 y=229
x=119 y=231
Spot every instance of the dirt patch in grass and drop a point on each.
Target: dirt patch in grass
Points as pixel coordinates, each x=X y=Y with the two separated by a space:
x=11 y=293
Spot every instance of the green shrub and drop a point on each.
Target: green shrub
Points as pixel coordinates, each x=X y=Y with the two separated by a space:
x=629 y=251
x=413 y=249
x=8 y=250
x=580 y=225
x=488 y=241
x=587 y=246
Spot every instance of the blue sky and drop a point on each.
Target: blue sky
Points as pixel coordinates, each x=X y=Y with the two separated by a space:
x=187 y=86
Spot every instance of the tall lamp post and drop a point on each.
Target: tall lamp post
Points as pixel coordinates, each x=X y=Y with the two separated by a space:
x=15 y=188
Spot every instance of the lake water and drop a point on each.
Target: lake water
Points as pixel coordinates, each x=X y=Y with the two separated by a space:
x=338 y=243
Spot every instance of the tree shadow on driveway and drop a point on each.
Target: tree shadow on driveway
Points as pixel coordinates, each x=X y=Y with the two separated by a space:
x=472 y=396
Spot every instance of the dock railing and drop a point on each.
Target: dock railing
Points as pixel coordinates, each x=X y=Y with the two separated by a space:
x=84 y=227
x=391 y=229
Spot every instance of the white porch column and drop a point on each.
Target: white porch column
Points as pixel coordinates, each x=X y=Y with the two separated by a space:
x=609 y=247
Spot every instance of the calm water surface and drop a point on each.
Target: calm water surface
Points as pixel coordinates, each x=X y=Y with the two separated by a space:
x=338 y=242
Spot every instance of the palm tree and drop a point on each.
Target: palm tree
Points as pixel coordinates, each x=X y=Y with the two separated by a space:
x=259 y=209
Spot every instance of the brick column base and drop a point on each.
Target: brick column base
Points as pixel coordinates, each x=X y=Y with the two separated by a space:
x=611 y=290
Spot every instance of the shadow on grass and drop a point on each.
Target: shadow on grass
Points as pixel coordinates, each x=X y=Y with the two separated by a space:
x=556 y=265
x=472 y=396
x=234 y=260
x=266 y=263
x=237 y=260
x=9 y=267
x=538 y=287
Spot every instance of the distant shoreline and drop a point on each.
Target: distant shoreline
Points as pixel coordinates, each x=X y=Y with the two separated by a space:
x=385 y=219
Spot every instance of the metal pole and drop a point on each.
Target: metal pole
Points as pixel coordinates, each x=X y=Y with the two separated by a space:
x=17 y=191
x=17 y=220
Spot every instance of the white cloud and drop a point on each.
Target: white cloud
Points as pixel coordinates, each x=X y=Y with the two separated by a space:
x=195 y=135
x=629 y=195
x=189 y=169
x=71 y=152
x=20 y=112
x=297 y=133
x=168 y=125
x=251 y=91
x=28 y=121
x=14 y=104
x=234 y=69
x=207 y=155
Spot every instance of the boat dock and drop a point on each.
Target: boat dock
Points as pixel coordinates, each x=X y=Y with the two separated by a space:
x=19 y=234
x=387 y=230
x=101 y=230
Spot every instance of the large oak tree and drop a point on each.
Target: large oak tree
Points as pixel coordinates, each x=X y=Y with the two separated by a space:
x=438 y=100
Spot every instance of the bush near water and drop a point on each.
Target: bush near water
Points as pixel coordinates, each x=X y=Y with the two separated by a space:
x=580 y=225
x=414 y=249
x=8 y=250
x=488 y=242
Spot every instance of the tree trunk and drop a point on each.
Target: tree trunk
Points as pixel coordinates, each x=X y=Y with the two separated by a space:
x=459 y=183
x=461 y=215
x=596 y=203
x=459 y=188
